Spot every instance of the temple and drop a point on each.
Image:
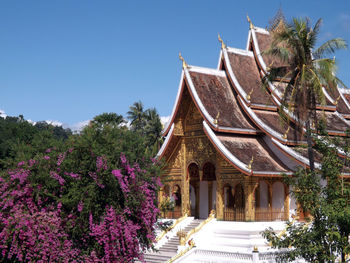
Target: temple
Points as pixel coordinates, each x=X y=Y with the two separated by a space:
x=225 y=146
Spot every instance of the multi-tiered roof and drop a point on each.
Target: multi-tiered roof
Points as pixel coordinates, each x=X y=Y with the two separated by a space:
x=241 y=118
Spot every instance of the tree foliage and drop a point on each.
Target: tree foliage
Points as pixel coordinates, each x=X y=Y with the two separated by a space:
x=305 y=70
x=20 y=139
x=86 y=197
x=325 y=195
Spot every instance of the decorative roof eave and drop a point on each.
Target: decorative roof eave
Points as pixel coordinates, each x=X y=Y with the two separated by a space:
x=166 y=143
x=186 y=78
x=235 y=82
x=233 y=78
x=256 y=48
x=210 y=120
x=263 y=72
x=242 y=167
x=176 y=106
x=261 y=124
x=291 y=153
x=341 y=93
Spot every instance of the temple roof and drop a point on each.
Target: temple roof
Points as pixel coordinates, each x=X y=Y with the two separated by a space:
x=249 y=154
x=247 y=82
x=239 y=114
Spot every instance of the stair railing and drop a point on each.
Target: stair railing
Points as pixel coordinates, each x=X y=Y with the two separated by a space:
x=179 y=220
x=184 y=237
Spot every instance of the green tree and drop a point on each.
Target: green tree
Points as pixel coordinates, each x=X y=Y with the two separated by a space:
x=325 y=238
x=153 y=129
x=136 y=115
x=111 y=119
x=306 y=72
x=21 y=140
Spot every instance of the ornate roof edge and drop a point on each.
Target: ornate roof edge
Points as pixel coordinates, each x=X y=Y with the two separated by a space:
x=166 y=142
x=294 y=154
x=343 y=91
x=200 y=105
x=233 y=78
x=242 y=167
x=262 y=125
x=186 y=78
x=235 y=81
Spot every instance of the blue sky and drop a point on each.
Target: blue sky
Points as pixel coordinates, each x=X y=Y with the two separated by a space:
x=68 y=61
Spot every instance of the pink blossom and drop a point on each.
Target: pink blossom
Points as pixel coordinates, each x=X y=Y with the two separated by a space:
x=80 y=206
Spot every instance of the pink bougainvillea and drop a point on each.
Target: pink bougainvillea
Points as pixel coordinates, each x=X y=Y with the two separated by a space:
x=37 y=218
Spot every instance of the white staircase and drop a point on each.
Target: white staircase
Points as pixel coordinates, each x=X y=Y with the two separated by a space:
x=169 y=248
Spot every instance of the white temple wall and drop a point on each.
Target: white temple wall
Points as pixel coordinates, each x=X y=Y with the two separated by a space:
x=203 y=199
x=264 y=202
x=213 y=199
x=278 y=195
x=192 y=198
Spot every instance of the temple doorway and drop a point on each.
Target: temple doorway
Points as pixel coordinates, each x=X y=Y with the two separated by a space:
x=234 y=203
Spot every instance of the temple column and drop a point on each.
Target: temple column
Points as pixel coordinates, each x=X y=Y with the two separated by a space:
x=249 y=186
x=185 y=191
x=219 y=190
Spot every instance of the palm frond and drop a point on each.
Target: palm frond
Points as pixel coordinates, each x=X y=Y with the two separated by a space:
x=330 y=47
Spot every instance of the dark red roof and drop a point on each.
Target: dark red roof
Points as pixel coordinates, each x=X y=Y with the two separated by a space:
x=246 y=72
x=217 y=97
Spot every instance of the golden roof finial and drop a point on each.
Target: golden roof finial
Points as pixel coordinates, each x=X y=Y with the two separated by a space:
x=223 y=46
x=250 y=94
x=217 y=118
x=336 y=101
x=249 y=166
x=251 y=26
x=286 y=133
x=184 y=64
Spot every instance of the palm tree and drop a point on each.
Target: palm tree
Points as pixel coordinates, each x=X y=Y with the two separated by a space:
x=153 y=128
x=136 y=115
x=308 y=70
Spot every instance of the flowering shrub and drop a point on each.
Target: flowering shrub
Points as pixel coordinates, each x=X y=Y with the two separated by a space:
x=75 y=206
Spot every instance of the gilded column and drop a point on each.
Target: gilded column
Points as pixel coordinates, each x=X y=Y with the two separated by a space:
x=185 y=181
x=219 y=191
x=249 y=186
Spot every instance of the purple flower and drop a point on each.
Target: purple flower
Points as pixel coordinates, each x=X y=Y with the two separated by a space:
x=80 y=206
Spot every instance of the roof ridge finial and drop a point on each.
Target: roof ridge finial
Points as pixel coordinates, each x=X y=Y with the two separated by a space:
x=184 y=64
x=223 y=46
x=337 y=100
x=251 y=26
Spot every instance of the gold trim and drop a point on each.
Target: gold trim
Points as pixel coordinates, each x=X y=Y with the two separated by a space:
x=251 y=26
x=184 y=239
x=223 y=46
x=286 y=133
x=249 y=166
x=336 y=101
x=184 y=64
x=217 y=118
x=171 y=227
x=250 y=94
x=183 y=252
